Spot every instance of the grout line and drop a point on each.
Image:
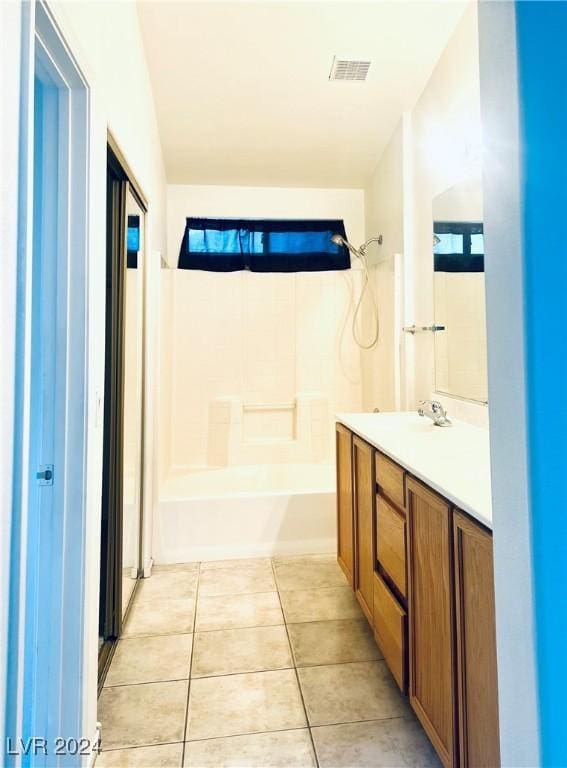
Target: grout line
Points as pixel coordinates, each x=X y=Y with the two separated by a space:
x=244 y=671
x=146 y=682
x=190 y=667
x=296 y=672
x=142 y=746
x=248 y=733
x=257 y=733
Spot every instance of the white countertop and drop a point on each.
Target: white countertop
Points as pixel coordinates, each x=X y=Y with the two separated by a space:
x=454 y=461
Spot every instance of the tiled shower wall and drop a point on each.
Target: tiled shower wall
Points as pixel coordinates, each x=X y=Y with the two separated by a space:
x=265 y=339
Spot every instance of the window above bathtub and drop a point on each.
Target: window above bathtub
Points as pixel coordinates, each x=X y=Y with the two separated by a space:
x=263 y=245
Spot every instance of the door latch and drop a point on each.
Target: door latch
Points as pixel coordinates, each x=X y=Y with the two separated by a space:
x=44 y=475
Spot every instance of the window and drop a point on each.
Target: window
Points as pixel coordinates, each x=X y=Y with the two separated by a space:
x=458 y=246
x=228 y=245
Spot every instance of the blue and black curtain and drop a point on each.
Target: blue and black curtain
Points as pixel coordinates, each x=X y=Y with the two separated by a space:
x=458 y=246
x=267 y=245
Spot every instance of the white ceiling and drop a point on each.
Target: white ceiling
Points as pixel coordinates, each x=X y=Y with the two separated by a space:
x=242 y=91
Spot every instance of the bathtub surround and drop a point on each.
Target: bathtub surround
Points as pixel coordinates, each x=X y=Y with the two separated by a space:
x=271 y=355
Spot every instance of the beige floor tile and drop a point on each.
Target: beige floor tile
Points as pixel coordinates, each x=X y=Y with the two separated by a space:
x=308 y=573
x=397 y=743
x=282 y=749
x=162 y=756
x=239 y=704
x=237 y=611
x=237 y=579
x=325 y=557
x=244 y=562
x=229 y=651
x=160 y=617
x=320 y=604
x=168 y=585
x=332 y=642
x=150 y=660
x=140 y=715
x=194 y=566
x=343 y=693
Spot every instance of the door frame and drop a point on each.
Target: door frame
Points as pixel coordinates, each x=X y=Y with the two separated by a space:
x=45 y=669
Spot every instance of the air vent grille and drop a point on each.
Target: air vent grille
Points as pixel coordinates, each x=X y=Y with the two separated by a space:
x=349 y=69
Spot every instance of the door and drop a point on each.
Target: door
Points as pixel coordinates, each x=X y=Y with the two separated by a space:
x=133 y=396
x=431 y=617
x=364 y=517
x=49 y=512
x=477 y=684
x=345 y=520
x=121 y=503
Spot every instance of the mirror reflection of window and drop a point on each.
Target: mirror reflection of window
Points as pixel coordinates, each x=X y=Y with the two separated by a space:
x=458 y=259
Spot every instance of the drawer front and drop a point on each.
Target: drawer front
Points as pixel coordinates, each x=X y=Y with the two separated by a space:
x=390 y=631
x=390 y=478
x=391 y=543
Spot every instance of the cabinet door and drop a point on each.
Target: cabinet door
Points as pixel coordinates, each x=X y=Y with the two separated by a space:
x=345 y=518
x=477 y=685
x=431 y=617
x=391 y=543
x=364 y=523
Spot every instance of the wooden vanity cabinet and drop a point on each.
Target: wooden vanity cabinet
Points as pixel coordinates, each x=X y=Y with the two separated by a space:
x=345 y=515
x=431 y=617
x=422 y=572
x=364 y=523
x=477 y=684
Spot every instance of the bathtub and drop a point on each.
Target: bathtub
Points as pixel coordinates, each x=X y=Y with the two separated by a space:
x=246 y=511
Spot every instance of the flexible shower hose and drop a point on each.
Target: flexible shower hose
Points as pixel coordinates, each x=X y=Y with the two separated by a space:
x=366 y=285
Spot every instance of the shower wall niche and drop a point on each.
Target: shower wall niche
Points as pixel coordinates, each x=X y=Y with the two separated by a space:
x=254 y=366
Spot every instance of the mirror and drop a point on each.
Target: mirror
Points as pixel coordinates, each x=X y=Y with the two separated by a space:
x=459 y=301
x=133 y=326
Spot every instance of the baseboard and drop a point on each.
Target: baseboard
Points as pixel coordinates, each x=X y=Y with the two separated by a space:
x=148 y=570
x=276 y=549
x=91 y=758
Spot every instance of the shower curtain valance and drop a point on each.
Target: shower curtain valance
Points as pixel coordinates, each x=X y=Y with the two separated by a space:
x=262 y=245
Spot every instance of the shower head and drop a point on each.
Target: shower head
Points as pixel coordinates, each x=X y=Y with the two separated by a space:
x=358 y=252
x=341 y=241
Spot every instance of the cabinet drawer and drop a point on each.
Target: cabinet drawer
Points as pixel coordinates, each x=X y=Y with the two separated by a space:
x=390 y=478
x=391 y=542
x=390 y=631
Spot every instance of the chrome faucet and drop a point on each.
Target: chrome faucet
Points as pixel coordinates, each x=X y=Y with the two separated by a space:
x=436 y=413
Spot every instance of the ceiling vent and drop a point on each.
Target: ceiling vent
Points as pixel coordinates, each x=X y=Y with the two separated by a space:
x=349 y=69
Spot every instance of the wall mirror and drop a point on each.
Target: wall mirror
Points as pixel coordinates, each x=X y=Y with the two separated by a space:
x=458 y=274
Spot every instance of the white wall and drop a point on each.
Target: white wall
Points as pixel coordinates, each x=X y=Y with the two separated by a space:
x=384 y=206
x=108 y=48
x=447 y=144
x=262 y=338
x=513 y=567
x=436 y=145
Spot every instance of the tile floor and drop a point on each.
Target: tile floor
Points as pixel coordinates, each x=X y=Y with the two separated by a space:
x=257 y=664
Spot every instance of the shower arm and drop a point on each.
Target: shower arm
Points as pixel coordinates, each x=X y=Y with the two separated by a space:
x=365 y=245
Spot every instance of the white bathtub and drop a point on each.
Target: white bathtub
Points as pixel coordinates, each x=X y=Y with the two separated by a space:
x=247 y=511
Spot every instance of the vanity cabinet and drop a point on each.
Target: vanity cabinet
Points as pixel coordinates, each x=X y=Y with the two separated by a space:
x=431 y=617
x=477 y=684
x=422 y=572
x=364 y=479
x=345 y=518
